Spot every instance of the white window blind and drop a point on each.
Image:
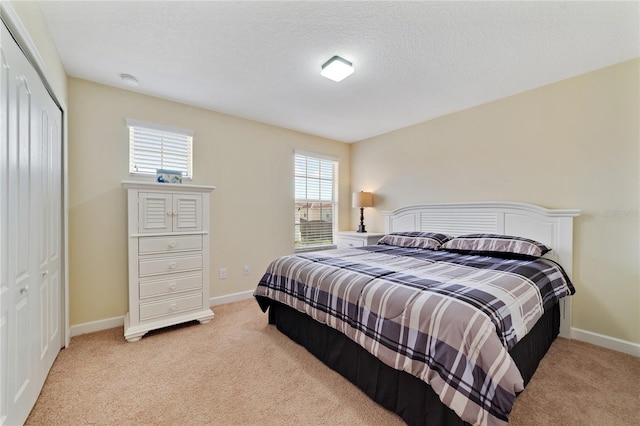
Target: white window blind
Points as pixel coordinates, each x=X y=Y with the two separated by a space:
x=154 y=146
x=316 y=183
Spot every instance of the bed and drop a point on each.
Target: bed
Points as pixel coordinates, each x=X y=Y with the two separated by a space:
x=410 y=321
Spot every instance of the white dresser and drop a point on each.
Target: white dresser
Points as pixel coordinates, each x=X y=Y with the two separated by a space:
x=348 y=239
x=168 y=256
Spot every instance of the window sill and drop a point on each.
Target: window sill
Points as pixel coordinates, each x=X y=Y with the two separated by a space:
x=316 y=248
x=154 y=176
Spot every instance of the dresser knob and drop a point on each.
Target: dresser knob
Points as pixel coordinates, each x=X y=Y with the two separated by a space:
x=173 y=307
x=24 y=289
x=172 y=265
x=172 y=244
x=172 y=286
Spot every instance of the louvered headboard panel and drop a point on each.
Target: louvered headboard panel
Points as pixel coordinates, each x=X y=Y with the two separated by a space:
x=458 y=223
x=553 y=228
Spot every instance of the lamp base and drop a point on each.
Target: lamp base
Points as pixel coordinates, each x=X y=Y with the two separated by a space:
x=361 y=227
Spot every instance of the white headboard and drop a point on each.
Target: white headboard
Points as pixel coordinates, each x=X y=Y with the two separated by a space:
x=553 y=228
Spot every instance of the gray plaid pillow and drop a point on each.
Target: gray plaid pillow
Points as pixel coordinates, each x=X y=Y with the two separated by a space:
x=492 y=243
x=424 y=240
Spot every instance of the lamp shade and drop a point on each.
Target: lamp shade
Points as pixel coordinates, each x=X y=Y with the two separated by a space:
x=362 y=199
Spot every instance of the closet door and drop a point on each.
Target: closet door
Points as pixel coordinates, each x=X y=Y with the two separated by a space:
x=46 y=174
x=19 y=302
x=5 y=292
x=30 y=225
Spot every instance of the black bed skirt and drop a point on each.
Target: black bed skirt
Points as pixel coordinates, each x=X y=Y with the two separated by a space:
x=411 y=398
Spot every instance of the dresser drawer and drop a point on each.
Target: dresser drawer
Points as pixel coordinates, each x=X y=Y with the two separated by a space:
x=150 y=245
x=164 y=265
x=170 y=307
x=169 y=286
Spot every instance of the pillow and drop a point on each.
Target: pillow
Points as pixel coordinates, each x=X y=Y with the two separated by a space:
x=492 y=243
x=424 y=240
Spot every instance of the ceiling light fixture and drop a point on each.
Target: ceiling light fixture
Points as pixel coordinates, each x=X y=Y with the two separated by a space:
x=337 y=69
x=129 y=80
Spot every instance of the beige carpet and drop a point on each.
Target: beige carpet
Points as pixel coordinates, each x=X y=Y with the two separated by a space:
x=237 y=370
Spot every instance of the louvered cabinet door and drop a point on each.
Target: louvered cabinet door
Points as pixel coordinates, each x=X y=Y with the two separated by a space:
x=155 y=212
x=187 y=212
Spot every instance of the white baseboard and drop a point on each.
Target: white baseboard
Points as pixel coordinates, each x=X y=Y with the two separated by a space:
x=105 y=324
x=90 y=327
x=608 y=342
x=229 y=298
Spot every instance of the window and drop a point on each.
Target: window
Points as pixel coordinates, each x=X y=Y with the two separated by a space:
x=316 y=183
x=154 y=146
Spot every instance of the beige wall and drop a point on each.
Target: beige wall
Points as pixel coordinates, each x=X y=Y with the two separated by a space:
x=251 y=165
x=573 y=144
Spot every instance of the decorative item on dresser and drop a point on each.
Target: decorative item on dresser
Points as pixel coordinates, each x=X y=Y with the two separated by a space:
x=349 y=239
x=168 y=256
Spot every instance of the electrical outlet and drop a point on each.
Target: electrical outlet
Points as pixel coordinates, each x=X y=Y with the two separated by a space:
x=246 y=270
x=223 y=273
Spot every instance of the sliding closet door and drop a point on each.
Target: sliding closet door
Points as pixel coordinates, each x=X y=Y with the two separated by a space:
x=47 y=201
x=18 y=299
x=6 y=290
x=30 y=225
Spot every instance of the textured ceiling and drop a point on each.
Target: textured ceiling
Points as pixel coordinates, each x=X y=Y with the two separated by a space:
x=414 y=60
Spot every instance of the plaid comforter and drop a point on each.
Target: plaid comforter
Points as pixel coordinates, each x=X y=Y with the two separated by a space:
x=446 y=318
